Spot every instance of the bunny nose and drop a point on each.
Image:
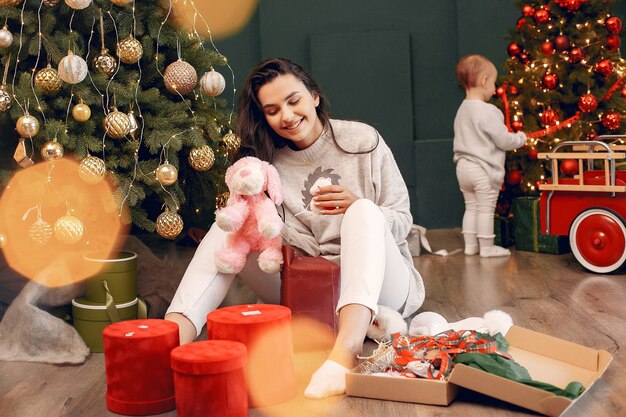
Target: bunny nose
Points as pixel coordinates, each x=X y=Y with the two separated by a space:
x=244 y=172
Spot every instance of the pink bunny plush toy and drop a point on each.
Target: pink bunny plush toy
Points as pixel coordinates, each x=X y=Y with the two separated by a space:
x=250 y=217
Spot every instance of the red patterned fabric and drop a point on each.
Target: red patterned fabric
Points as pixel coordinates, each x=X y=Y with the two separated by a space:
x=137 y=361
x=209 y=379
x=265 y=329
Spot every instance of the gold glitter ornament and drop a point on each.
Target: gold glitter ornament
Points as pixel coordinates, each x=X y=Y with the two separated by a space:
x=117 y=124
x=51 y=3
x=129 y=50
x=69 y=229
x=52 y=150
x=10 y=2
x=120 y=3
x=212 y=83
x=92 y=170
x=231 y=142
x=169 y=225
x=105 y=63
x=6 y=37
x=48 y=80
x=167 y=174
x=81 y=112
x=72 y=68
x=202 y=158
x=78 y=4
x=180 y=77
x=222 y=199
x=40 y=231
x=27 y=125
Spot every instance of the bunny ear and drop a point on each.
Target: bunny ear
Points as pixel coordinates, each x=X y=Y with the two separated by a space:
x=229 y=175
x=274 y=186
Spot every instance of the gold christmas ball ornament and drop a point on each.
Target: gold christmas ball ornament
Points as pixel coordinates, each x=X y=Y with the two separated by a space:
x=231 y=142
x=27 y=126
x=10 y=2
x=6 y=37
x=129 y=50
x=92 y=170
x=105 y=63
x=40 y=231
x=52 y=150
x=222 y=199
x=202 y=158
x=120 y=3
x=81 y=112
x=51 y=3
x=48 y=80
x=169 y=225
x=72 y=68
x=180 y=77
x=212 y=83
x=78 y=4
x=167 y=174
x=5 y=99
x=69 y=229
x=117 y=124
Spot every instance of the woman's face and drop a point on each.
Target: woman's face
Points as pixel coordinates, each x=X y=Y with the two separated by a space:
x=289 y=108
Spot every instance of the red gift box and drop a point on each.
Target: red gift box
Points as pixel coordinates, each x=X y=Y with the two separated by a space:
x=209 y=379
x=137 y=360
x=265 y=329
x=310 y=287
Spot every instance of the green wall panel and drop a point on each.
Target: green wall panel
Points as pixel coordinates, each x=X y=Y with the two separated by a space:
x=378 y=95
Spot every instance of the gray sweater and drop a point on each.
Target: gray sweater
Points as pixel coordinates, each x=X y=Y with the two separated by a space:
x=373 y=175
x=481 y=136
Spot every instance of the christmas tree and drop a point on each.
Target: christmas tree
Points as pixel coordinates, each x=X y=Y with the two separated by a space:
x=118 y=86
x=563 y=81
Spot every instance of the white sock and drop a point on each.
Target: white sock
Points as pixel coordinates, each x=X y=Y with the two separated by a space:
x=328 y=380
x=471 y=250
x=493 y=251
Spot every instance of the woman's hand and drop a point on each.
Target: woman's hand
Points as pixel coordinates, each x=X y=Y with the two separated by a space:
x=333 y=199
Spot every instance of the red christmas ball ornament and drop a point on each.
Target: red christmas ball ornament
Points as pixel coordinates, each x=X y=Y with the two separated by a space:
x=575 y=55
x=569 y=167
x=517 y=125
x=513 y=90
x=547 y=48
x=613 y=24
x=587 y=103
x=613 y=42
x=624 y=92
x=550 y=81
x=549 y=117
x=561 y=42
x=520 y=23
x=528 y=10
x=514 y=49
x=538 y=183
x=604 y=67
x=524 y=58
x=500 y=91
x=542 y=16
x=592 y=135
x=513 y=177
x=532 y=153
x=611 y=120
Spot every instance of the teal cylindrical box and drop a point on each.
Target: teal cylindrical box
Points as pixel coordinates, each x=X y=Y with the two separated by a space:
x=90 y=319
x=119 y=270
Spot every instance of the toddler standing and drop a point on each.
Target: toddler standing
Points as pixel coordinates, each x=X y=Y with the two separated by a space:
x=481 y=140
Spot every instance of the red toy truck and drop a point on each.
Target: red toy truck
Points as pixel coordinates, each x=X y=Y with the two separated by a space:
x=590 y=207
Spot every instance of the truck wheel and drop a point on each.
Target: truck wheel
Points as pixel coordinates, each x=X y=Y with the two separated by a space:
x=598 y=240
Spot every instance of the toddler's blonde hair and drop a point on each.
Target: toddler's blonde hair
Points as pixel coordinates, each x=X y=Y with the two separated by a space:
x=469 y=68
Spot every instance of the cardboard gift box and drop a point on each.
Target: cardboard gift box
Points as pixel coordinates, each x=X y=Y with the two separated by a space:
x=503 y=228
x=119 y=271
x=90 y=319
x=547 y=359
x=527 y=232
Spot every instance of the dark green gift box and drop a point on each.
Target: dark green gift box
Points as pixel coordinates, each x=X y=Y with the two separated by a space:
x=503 y=228
x=119 y=270
x=91 y=318
x=527 y=233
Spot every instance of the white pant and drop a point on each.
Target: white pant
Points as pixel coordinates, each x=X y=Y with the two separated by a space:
x=480 y=198
x=373 y=271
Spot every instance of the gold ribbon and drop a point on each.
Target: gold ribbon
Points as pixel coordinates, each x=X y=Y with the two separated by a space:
x=114 y=316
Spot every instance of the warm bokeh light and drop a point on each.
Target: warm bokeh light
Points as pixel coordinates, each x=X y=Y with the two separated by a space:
x=225 y=18
x=40 y=242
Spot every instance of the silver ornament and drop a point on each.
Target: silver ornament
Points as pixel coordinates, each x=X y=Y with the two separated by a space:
x=5 y=99
x=6 y=37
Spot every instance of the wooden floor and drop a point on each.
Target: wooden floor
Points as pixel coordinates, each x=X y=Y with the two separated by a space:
x=551 y=294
